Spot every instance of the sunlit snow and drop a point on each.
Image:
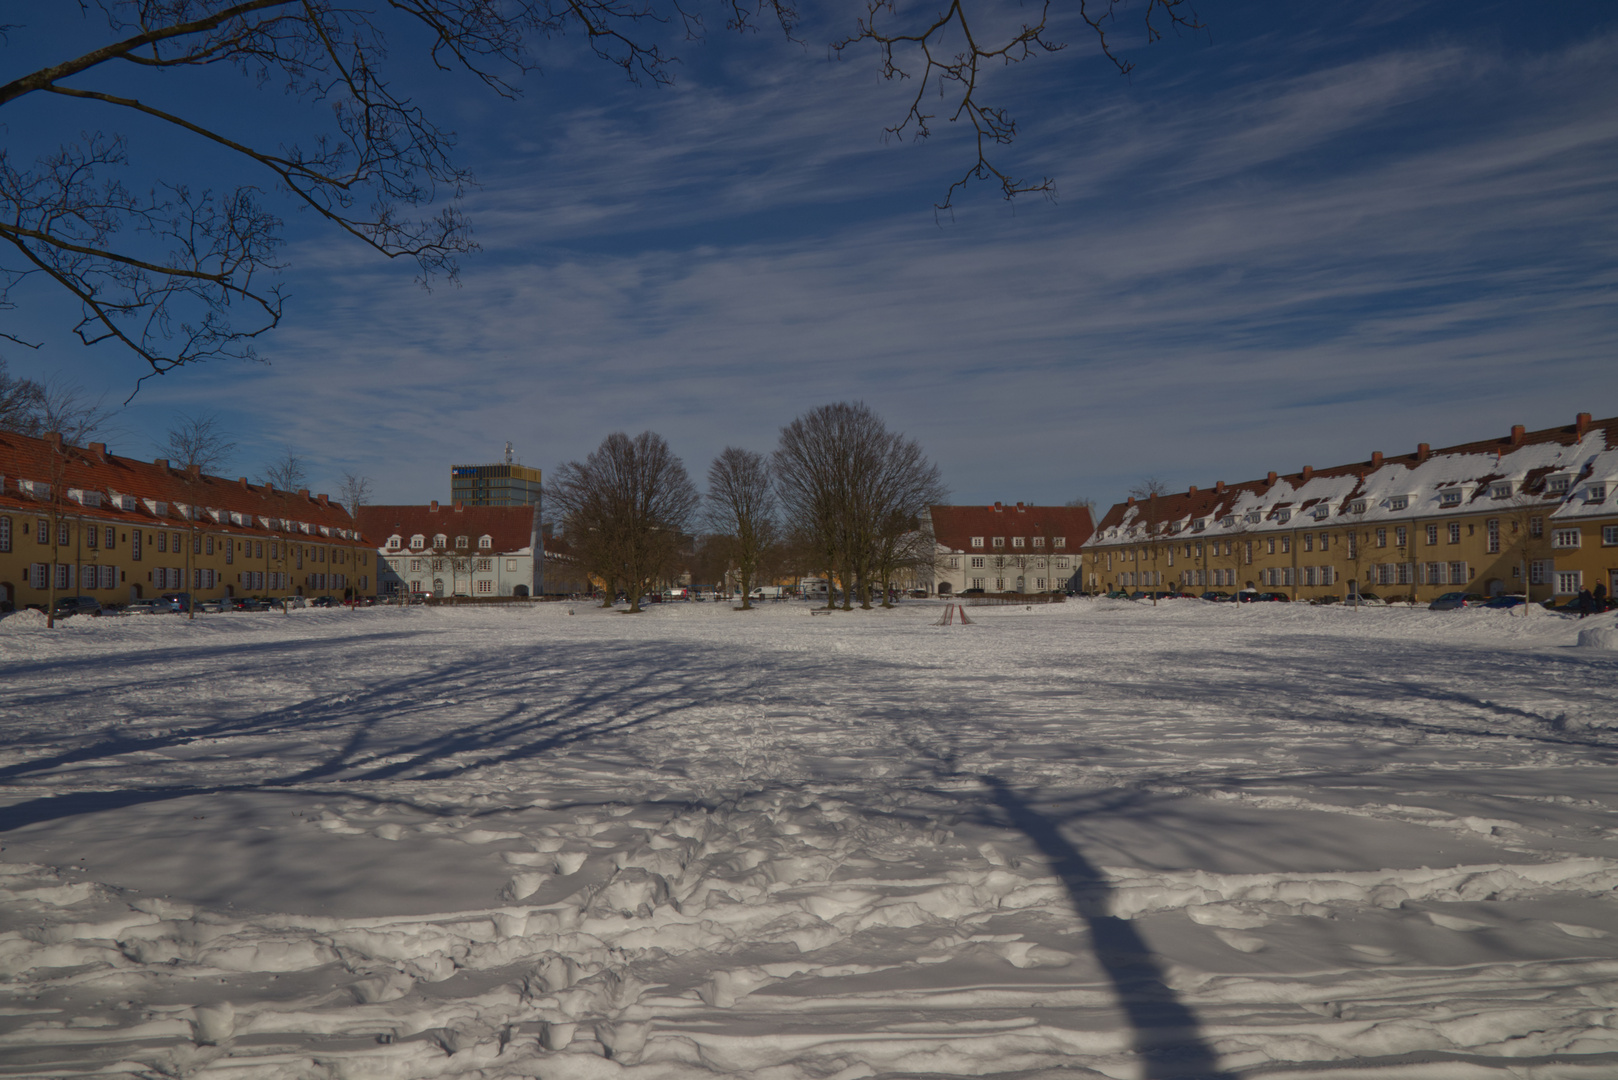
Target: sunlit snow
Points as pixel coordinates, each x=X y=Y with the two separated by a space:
x=553 y=841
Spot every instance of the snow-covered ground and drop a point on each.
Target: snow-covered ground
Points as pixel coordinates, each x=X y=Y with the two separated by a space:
x=1096 y=838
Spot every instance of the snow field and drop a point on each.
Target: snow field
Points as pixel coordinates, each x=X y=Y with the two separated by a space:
x=1099 y=838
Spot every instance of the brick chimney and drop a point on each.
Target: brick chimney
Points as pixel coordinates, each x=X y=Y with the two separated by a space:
x=997 y=507
x=54 y=438
x=1376 y=459
x=321 y=498
x=242 y=480
x=303 y=493
x=1518 y=434
x=1308 y=471
x=1423 y=451
x=161 y=463
x=194 y=470
x=1192 y=490
x=1220 y=487
x=432 y=507
x=99 y=449
x=1581 y=424
x=1270 y=476
x=460 y=504
x=1132 y=500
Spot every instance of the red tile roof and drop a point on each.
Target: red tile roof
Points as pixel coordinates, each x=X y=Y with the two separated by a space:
x=955 y=526
x=509 y=527
x=1215 y=502
x=94 y=469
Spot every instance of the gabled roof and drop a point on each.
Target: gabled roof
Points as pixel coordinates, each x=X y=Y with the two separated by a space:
x=955 y=526
x=511 y=528
x=155 y=486
x=1583 y=448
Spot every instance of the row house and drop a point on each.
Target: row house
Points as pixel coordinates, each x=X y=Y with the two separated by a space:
x=1530 y=513
x=85 y=521
x=1007 y=549
x=457 y=550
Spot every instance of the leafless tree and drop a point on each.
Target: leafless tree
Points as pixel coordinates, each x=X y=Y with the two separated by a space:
x=1081 y=503
x=198 y=442
x=286 y=473
x=625 y=510
x=29 y=407
x=354 y=491
x=741 y=508
x=852 y=490
x=948 y=52
x=1148 y=495
x=180 y=267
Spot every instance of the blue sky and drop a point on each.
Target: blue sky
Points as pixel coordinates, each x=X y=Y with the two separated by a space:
x=1310 y=232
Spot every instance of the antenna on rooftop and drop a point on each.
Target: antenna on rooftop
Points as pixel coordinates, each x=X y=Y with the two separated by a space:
x=508 y=452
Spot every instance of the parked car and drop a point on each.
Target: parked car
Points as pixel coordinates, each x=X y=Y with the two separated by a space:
x=246 y=603
x=211 y=606
x=77 y=605
x=1275 y=597
x=1451 y=601
x=323 y=601
x=1323 y=600
x=1505 y=602
x=972 y=592
x=144 y=607
x=1366 y=599
x=176 y=601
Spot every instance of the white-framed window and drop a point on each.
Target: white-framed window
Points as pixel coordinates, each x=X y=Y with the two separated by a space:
x=1325 y=541
x=418 y=541
x=1564 y=538
x=1328 y=575
x=1407 y=573
x=511 y=565
x=1492 y=528
x=1018 y=541
x=1595 y=492
x=1500 y=489
x=109 y=577
x=1283 y=516
x=486 y=565
x=1399 y=502
x=977 y=541
x=1432 y=535
x=1353 y=545
x=1401 y=536
x=1039 y=541
x=1382 y=538
x=1253 y=517
x=1609 y=535
x=1059 y=541
x=1451 y=497
x=1558 y=485
x=1061 y=563
x=1356 y=506
x=1308 y=541
x=395 y=542
x=1321 y=512
x=999 y=542
x=1384 y=573
x=999 y=584
x=440 y=540
x=1536 y=527
x=5 y=534
x=1569 y=582
x=1458 y=574
x=485 y=543
x=1435 y=573
x=483 y=586
x=1455 y=532
x=1539 y=572
x=1039 y=583
x=977 y=562
x=462 y=542
x=1309 y=575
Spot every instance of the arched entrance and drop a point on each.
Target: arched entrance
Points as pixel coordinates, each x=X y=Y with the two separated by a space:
x=438 y=586
x=945 y=588
x=520 y=590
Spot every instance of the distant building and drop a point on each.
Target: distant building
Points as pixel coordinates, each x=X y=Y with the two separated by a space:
x=456 y=550
x=1008 y=549
x=503 y=484
x=1531 y=513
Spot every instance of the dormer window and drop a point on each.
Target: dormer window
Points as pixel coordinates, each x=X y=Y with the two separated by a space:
x=1399 y=502
x=1228 y=521
x=1595 y=493
x=485 y=543
x=1451 y=497
x=1198 y=525
x=1500 y=489
x=1253 y=517
x=461 y=542
x=418 y=542
x=1558 y=485
x=999 y=541
x=1320 y=512
x=1059 y=541
x=1017 y=541
x=1283 y=516
x=395 y=542
x=440 y=540
x=1356 y=506
x=977 y=541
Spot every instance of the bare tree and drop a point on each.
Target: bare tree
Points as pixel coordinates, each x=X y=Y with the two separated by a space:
x=625 y=509
x=33 y=408
x=852 y=490
x=1148 y=494
x=354 y=491
x=741 y=508
x=198 y=442
x=185 y=272
x=286 y=473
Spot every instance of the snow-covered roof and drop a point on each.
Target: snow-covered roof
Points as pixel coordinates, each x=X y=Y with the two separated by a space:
x=1571 y=472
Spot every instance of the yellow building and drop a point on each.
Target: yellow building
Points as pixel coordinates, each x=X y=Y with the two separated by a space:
x=85 y=522
x=1532 y=513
